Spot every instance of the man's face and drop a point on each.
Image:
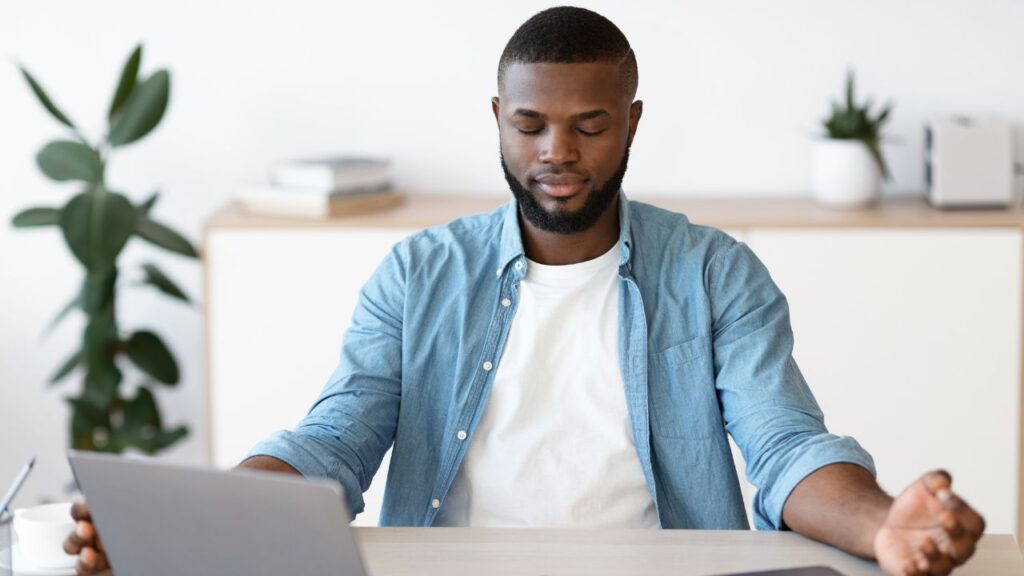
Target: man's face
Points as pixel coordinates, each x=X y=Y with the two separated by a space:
x=565 y=132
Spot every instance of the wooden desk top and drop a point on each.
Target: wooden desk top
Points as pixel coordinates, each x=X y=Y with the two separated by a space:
x=522 y=552
x=727 y=212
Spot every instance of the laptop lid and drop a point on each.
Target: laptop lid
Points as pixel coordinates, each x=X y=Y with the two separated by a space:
x=158 y=519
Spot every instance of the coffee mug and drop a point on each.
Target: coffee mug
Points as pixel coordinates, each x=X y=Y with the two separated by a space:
x=41 y=531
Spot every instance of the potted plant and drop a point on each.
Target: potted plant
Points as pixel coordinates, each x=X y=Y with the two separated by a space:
x=848 y=163
x=96 y=223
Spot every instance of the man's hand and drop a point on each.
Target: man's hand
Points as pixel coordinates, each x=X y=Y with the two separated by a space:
x=929 y=529
x=85 y=543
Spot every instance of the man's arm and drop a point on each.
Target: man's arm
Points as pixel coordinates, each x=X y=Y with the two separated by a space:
x=927 y=529
x=809 y=480
x=841 y=505
x=268 y=464
x=351 y=425
x=767 y=407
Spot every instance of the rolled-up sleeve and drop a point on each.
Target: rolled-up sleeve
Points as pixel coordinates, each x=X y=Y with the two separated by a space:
x=767 y=406
x=352 y=424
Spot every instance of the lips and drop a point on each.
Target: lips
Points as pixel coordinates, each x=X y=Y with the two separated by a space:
x=561 y=185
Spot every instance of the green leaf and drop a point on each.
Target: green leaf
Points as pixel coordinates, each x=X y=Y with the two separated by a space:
x=149 y=444
x=66 y=368
x=96 y=226
x=147 y=205
x=162 y=283
x=98 y=289
x=38 y=216
x=883 y=115
x=140 y=413
x=129 y=75
x=163 y=237
x=142 y=111
x=166 y=438
x=101 y=384
x=141 y=425
x=88 y=423
x=876 y=153
x=140 y=422
x=147 y=351
x=45 y=100
x=75 y=302
x=64 y=160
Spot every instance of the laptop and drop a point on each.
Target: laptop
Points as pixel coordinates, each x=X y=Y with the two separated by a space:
x=168 y=520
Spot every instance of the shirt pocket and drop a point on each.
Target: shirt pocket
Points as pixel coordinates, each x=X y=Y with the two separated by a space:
x=681 y=391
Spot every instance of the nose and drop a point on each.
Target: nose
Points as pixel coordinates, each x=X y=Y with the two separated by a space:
x=559 y=147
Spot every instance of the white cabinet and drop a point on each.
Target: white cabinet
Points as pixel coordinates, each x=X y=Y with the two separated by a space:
x=278 y=301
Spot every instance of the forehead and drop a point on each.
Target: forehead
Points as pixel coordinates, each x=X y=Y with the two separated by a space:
x=552 y=87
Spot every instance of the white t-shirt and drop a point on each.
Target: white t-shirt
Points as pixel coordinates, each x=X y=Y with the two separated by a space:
x=554 y=446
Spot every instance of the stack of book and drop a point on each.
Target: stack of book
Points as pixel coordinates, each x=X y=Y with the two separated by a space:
x=321 y=188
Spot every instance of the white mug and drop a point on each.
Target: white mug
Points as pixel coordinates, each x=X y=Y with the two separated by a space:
x=41 y=531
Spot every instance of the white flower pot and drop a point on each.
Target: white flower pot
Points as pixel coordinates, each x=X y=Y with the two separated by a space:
x=845 y=174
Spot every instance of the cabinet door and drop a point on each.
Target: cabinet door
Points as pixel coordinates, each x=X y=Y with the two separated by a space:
x=278 y=302
x=910 y=340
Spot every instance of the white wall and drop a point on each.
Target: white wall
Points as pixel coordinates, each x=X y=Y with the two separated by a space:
x=732 y=89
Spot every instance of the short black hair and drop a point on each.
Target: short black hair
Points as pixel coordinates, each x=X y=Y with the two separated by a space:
x=567 y=34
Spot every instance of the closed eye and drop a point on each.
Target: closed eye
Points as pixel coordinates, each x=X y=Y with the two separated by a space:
x=539 y=130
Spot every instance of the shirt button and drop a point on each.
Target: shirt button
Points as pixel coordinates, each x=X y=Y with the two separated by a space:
x=435 y=503
x=488 y=366
x=498 y=272
x=506 y=302
x=461 y=435
x=519 y=264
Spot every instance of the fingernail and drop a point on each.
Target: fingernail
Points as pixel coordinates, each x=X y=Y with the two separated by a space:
x=88 y=556
x=80 y=530
x=944 y=495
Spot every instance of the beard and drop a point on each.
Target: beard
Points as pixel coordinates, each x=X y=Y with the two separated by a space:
x=561 y=220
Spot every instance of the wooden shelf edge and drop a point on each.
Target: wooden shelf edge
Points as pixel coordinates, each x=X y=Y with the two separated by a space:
x=733 y=212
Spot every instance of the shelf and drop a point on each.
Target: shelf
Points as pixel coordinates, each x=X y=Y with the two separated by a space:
x=733 y=212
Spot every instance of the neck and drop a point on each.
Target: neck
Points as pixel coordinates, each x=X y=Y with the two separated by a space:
x=561 y=249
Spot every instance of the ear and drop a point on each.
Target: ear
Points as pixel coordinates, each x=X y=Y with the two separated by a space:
x=496 y=107
x=636 y=109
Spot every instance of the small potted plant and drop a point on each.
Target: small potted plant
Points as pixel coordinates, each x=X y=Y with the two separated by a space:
x=848 y=163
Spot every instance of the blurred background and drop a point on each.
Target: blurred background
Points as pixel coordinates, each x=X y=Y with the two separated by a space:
x=734 y=92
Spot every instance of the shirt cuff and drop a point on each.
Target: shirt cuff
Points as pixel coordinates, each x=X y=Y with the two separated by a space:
x=312 y=460
x=840 y=450
x=294 y=451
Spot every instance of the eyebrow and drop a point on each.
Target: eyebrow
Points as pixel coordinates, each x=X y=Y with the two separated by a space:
x=592 y=114
x=589 y=115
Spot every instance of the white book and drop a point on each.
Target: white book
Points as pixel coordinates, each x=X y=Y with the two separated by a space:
x=337 y=173
x=273 y=200
x=319 y=192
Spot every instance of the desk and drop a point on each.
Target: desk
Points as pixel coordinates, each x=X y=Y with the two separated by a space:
x=521 y=552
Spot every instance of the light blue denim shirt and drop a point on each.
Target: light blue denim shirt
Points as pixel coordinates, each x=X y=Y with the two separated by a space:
x=705 y=349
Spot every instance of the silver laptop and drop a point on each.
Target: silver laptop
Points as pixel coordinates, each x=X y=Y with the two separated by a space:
x=158 y=519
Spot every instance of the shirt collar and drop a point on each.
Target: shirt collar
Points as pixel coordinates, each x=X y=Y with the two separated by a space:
x=512 y=240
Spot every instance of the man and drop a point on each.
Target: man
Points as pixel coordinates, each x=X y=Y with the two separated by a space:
x=577 y=359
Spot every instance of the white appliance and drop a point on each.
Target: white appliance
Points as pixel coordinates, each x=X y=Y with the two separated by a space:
x=969 y=162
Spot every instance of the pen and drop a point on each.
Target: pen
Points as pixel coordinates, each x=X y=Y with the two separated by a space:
x=17 y=485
